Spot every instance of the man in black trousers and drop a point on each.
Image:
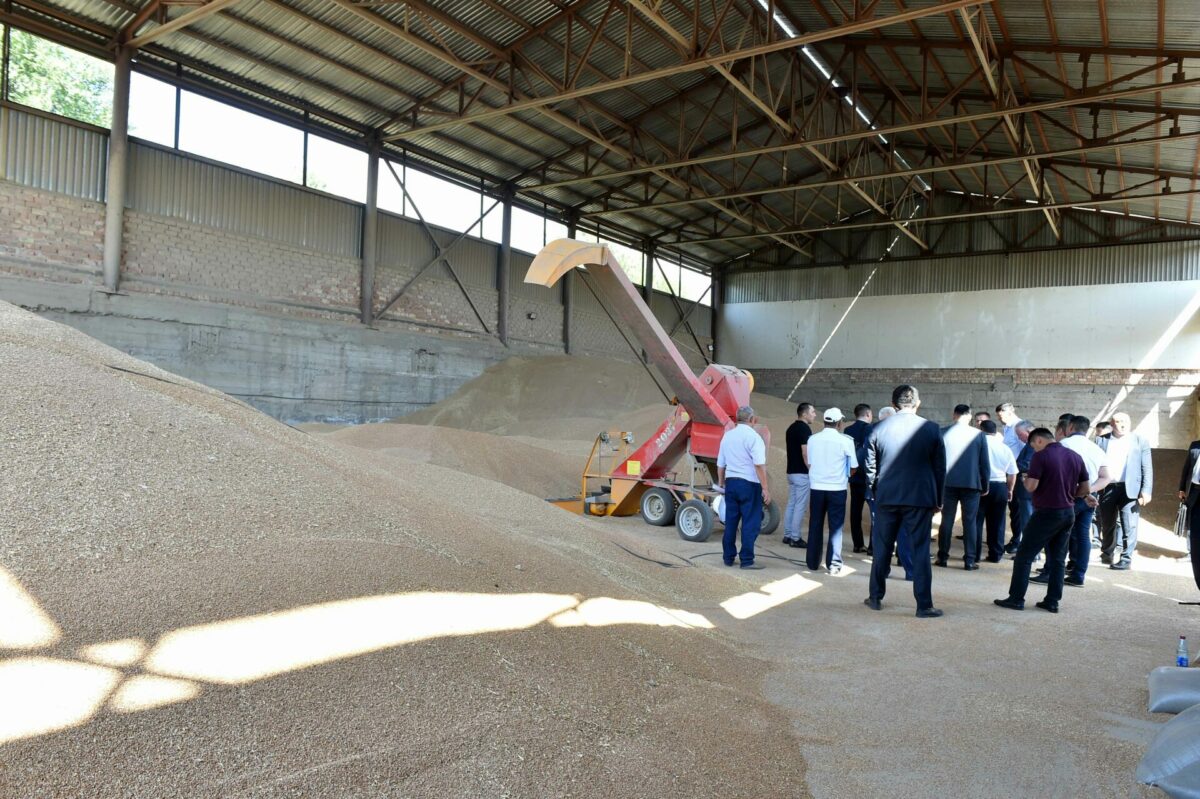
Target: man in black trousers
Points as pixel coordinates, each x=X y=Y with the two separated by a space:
x=967 y=472
x=1057 y=476
x=858 y=481
x=906 y=475
x=1189 y=493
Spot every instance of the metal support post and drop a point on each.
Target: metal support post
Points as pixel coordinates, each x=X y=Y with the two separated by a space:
x=370 y=236
x=118 y=157
x=718 y=299
x=502 y=268
x=568 y=291
x=648 y=281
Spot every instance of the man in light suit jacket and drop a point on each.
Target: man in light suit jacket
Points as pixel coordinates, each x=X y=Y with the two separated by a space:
x=1189 y=494
x=1121 y=502
x=906 y=475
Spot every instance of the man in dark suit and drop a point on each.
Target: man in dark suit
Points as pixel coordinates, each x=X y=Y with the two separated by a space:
x=858 y=481
x=1189 y=493
x=906 y=475
x=967 y=473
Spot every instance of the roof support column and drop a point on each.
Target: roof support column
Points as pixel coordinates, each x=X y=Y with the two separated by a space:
x=648 y=281
x=118 y=160
x=568 y=291
x=370 y=237
x=503 y=266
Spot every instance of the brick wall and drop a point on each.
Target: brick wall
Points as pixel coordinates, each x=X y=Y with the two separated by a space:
x=169 y=256
x=43 y=228
x=1161 y=402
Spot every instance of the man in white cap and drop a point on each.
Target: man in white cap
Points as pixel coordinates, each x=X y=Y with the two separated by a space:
x=831 y=461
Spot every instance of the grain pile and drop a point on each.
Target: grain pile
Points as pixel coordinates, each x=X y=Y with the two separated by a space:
x=551 y=401
x=196 y=603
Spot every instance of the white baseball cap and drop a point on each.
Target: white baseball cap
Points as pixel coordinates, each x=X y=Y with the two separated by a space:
x=834 y=415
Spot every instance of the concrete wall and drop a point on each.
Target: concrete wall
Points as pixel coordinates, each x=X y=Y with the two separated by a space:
x=1085 y=349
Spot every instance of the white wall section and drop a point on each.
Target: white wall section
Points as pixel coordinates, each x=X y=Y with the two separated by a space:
x=1120 y=326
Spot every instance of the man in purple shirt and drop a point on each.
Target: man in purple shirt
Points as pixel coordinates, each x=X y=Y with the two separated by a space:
x=1055 y=478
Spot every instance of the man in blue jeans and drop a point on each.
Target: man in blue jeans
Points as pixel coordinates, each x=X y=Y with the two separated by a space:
x=742 y=472
x=797 y=436
x=1057 y=476
x=1020 y=494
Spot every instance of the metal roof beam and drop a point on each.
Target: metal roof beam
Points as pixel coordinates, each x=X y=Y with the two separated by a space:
x=706 y=62
x=889 y=130
x=1057 y=157
x=1019 y=209
x=561 y=119
x=154 y=34
x=1045 y=48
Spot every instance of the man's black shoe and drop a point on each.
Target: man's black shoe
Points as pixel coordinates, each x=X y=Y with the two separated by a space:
x=1010 y=549
x=1049 y=607
x=940 y=562
x=1121 y=567
x=928 y=613
x=1073 y=581
x=873 y=604
x=755 y=566
x=859 y=550
x=729 y=563
x=971 y=566
x=798 y=543
x=1009 y=603
x=1044 y=577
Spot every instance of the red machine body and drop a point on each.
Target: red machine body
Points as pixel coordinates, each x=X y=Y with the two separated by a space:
x=704 y=407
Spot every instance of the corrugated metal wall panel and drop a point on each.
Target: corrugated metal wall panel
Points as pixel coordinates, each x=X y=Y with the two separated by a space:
x=52 y=155
x=1166 y=261
x=403 y=243
x=170 y=184
x=518 y=267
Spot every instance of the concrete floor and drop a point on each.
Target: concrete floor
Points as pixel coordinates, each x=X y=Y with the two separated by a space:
x=983 y=702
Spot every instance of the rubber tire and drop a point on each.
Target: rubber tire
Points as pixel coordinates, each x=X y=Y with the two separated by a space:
x=770 y=520
x=695 y=520
x=652 y=497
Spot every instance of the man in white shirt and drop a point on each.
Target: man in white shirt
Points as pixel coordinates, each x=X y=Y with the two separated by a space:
x=1132 y=482
x=742 y=472
x=1001 y=479
x=1007 y=414
x=1079 y=549
x=831 y=461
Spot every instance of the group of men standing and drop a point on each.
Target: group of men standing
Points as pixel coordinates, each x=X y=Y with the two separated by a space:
x=904 y=468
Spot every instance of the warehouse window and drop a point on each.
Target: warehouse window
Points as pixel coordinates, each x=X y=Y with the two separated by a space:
x=50 y=77
x=223 y=133
x=390 y=197
x=694 y=286
x=441 y=202
x=666 y=276
x=151 y=110
x=555 y=230
x=338 y=169
x=528 y=231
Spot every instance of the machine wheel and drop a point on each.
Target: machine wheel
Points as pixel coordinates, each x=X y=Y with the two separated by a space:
x=658 y=507
x=694 y=520
x=770 y=520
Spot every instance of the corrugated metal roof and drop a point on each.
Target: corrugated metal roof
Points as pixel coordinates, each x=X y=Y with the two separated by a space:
x=346 y=66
